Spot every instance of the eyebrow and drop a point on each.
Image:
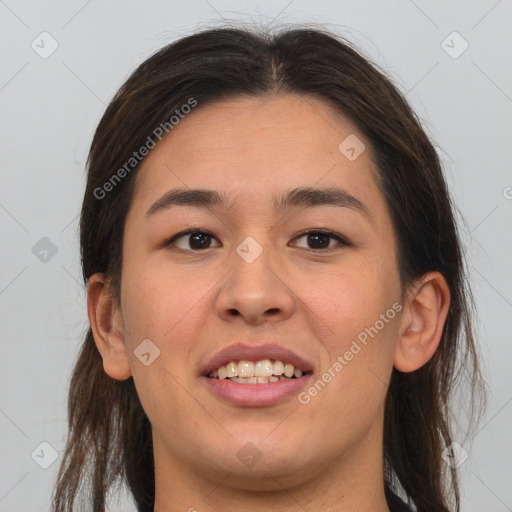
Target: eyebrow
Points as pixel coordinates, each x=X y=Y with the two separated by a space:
x=304 y=197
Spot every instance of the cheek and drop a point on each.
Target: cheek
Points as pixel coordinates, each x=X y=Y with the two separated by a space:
x=352 y=297
x=357 y=313
x=164 y=308
x=157 y=300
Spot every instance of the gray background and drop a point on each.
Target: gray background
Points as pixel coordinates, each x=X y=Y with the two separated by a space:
x=50 y=107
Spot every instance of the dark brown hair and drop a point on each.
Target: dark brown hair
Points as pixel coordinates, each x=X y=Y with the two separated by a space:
x=109 y=434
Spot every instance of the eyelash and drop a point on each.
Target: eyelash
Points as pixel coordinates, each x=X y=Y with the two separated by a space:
x=343 y=242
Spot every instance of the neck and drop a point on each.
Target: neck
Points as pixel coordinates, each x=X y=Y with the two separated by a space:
x=353 y=481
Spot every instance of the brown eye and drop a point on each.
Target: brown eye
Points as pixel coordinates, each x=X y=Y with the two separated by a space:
x=195 y=240
x=322 y=240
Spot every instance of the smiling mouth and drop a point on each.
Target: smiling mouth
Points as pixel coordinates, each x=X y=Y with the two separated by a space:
x=257 y=372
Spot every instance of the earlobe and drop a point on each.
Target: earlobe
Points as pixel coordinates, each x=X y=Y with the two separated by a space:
x=422 y=322
x=107 y=328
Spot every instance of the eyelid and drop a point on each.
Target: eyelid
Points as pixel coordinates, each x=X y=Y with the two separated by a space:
x=186 y=232
x=342 y=240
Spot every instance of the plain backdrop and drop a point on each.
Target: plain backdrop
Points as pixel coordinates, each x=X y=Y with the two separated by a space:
x=459 y=84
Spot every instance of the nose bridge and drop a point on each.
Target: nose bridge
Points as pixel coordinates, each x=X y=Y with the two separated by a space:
x=253 y=288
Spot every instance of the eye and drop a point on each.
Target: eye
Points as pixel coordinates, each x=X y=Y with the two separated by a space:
x=197 y=240
x=320 y=239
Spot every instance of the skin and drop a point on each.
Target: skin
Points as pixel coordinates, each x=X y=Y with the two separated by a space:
x=324 y=455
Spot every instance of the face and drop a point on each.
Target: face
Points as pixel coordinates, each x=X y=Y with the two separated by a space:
x=311 y=282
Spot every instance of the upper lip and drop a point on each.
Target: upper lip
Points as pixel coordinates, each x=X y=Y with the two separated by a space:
x=248 y=352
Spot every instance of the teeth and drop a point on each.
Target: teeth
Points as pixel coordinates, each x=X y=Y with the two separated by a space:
x=246 y=369
x=288 y=369
x=263 y=368
x=259 y=372
x=231 y=369
x=256 y=380
x=277 y=368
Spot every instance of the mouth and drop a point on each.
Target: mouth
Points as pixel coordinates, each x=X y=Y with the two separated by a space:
x=263 y=371
x=256 y=375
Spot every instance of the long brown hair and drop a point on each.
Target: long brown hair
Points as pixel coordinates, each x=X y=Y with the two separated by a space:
x=110 y=436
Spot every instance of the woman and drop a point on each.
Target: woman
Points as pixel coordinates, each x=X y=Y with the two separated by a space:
x=276 y=291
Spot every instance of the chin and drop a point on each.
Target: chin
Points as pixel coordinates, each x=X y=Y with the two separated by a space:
x=257 y=460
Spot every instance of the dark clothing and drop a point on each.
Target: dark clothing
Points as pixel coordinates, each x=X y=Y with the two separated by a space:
x=395 y=504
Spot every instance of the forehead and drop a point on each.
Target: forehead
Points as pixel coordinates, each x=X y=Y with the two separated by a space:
x=252 y=148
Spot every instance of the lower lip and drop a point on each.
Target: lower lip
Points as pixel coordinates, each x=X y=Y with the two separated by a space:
x=256 y=395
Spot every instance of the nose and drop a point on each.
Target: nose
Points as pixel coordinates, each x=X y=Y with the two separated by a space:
x=255 y=291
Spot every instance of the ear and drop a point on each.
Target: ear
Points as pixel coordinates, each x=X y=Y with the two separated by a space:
x=422 y=322
x=107 y=327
